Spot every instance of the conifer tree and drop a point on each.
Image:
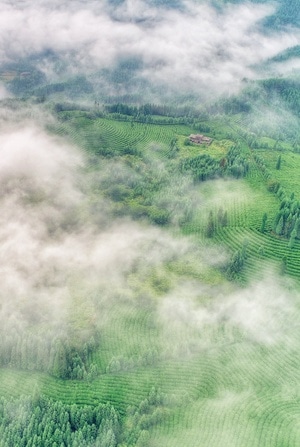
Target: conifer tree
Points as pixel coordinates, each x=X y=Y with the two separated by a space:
x=220 y=216
x=225 y=219
x=264 y=223
x=283 y=265
x=292 y=240
x=279 y=226
x=278 y=163
x=210 y=225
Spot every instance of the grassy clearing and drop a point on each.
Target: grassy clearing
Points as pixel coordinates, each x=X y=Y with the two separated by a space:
x=217 y=149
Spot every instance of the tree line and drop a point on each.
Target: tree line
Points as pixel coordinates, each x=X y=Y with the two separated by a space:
x=38 y=421
x=204 y=167
x=42 y=422
x=287 y=220
x=57 y=356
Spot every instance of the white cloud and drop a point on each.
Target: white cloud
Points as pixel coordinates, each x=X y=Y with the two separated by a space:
x=197 y=48
x=264 y=312
x=52 y=247
x=3 y=92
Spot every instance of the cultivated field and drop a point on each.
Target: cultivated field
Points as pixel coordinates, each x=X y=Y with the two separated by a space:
x=195 y=350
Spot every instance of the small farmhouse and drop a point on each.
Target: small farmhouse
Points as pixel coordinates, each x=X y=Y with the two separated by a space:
x=200 y=139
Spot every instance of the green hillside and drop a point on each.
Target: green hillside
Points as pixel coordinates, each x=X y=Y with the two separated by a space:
x=198 y=343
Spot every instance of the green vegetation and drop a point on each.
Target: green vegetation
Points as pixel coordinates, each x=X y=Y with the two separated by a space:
x=142 y=389
x=180 y=349
x=41 y=421
x=150 y=279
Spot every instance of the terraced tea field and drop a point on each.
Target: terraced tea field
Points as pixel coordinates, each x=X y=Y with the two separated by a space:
x=107 y=136
x=185 y=355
